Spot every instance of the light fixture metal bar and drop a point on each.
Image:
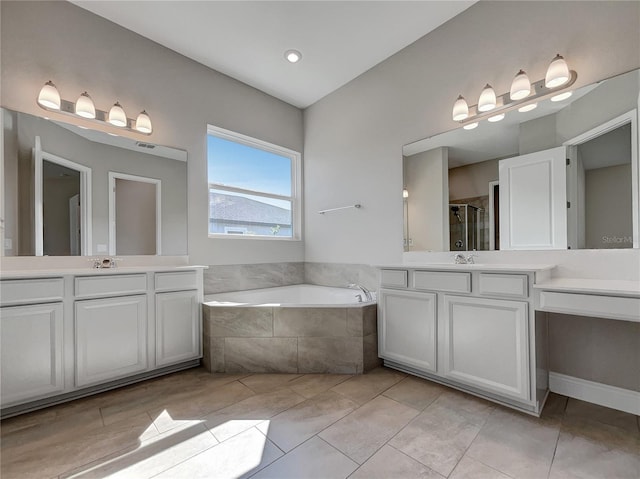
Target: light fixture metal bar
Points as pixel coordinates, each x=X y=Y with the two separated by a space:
x=506 y=104
x=102 y=117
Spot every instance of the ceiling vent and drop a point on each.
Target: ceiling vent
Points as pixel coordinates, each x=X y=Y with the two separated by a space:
x=150 y=146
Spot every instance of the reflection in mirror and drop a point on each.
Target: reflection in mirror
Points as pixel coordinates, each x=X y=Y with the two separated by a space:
x=456 y=184
x=56 y=192
x=61 y=207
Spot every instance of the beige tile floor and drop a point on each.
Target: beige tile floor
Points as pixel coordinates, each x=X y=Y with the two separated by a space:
x=380 y=425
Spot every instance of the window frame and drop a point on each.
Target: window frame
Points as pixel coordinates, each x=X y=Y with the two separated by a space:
x=296 y=184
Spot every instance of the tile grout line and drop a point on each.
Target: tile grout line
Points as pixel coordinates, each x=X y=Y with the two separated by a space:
x=412 y=458
x=493 y=409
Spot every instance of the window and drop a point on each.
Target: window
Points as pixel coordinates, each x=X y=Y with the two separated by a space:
x=254 y=187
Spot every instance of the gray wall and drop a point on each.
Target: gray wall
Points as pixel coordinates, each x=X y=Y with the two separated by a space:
x=473 y=180
x=358 y=131
x=608 y=206
x=135 y=217
x=427 y=215
x=80 y=51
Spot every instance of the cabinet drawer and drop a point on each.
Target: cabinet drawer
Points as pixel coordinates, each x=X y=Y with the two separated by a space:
x=442 y=281
x=22 y=291
x=511 y=285
x=612 y=307
x=393 y=278
x=91 y=286
x=176 y=280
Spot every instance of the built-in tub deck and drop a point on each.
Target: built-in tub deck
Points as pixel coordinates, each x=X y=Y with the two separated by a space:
x=290 y=329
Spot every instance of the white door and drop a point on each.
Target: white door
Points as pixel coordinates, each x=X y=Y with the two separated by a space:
x=177 y=327
x=111 y=338
x=31 y=354
x=486 y=344
x=533 y=201
x=407 y=328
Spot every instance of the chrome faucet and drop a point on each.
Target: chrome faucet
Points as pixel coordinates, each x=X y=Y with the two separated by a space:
x=365 y=291
x=460 y=259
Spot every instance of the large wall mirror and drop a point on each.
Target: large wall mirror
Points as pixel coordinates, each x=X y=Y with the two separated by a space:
x=71 y=191
x=561 y=176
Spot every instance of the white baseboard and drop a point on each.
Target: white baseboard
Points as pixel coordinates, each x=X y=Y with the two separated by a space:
x=597 y=393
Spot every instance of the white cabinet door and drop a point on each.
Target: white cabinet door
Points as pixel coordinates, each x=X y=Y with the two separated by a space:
x=486 y=344
x=533 y=201
x=177 y=327
x=111 y=338
x=407 y=328
x=32 y=351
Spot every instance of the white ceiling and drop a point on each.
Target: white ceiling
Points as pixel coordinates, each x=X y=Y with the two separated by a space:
x=246 y=40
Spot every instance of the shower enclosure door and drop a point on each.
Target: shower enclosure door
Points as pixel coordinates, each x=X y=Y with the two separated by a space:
x=466 y=228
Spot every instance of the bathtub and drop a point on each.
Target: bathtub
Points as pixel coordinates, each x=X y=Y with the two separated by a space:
x=307 y=295
x=290 y=329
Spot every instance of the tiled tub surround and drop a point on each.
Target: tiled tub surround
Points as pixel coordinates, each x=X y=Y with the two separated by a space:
x=293 y=338
x=242 y=277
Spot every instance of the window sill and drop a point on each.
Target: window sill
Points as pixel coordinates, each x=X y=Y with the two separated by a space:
x=252 y=237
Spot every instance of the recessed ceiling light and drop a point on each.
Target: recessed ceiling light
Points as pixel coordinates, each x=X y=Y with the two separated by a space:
x=293 y=56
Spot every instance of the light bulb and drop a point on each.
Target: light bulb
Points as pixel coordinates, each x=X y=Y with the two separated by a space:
x=495 y=118
x=85 y=107
x=557 y=73
x=520 y=87
x=460 y=109
x=529 y=107
x=405 y=193
x=49 y=96
x=487 y=99
x=143 y=123
x=470 y=126
x=117 y=116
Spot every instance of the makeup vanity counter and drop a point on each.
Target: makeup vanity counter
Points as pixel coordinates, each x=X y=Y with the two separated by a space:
x=67 y=333
x=601 y=298
x=469 y=326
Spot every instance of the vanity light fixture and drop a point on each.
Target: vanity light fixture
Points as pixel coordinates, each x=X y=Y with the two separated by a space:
x=558 y=73
x=523 y=95
x=460 y=109
x=85 y=107
x=143 y=123
x=49 y=96
x=520 y=87
x=49 y=99
x=293 y=56
x=487 y=100
x=117 y=116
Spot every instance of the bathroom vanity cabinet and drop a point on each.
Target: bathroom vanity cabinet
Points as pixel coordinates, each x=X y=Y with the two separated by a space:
x=471 y=328
x=71 y=334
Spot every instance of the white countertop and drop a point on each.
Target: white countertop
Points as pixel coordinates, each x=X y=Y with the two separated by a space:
x=57 y=272
x=469 y=267
x=592 y=286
